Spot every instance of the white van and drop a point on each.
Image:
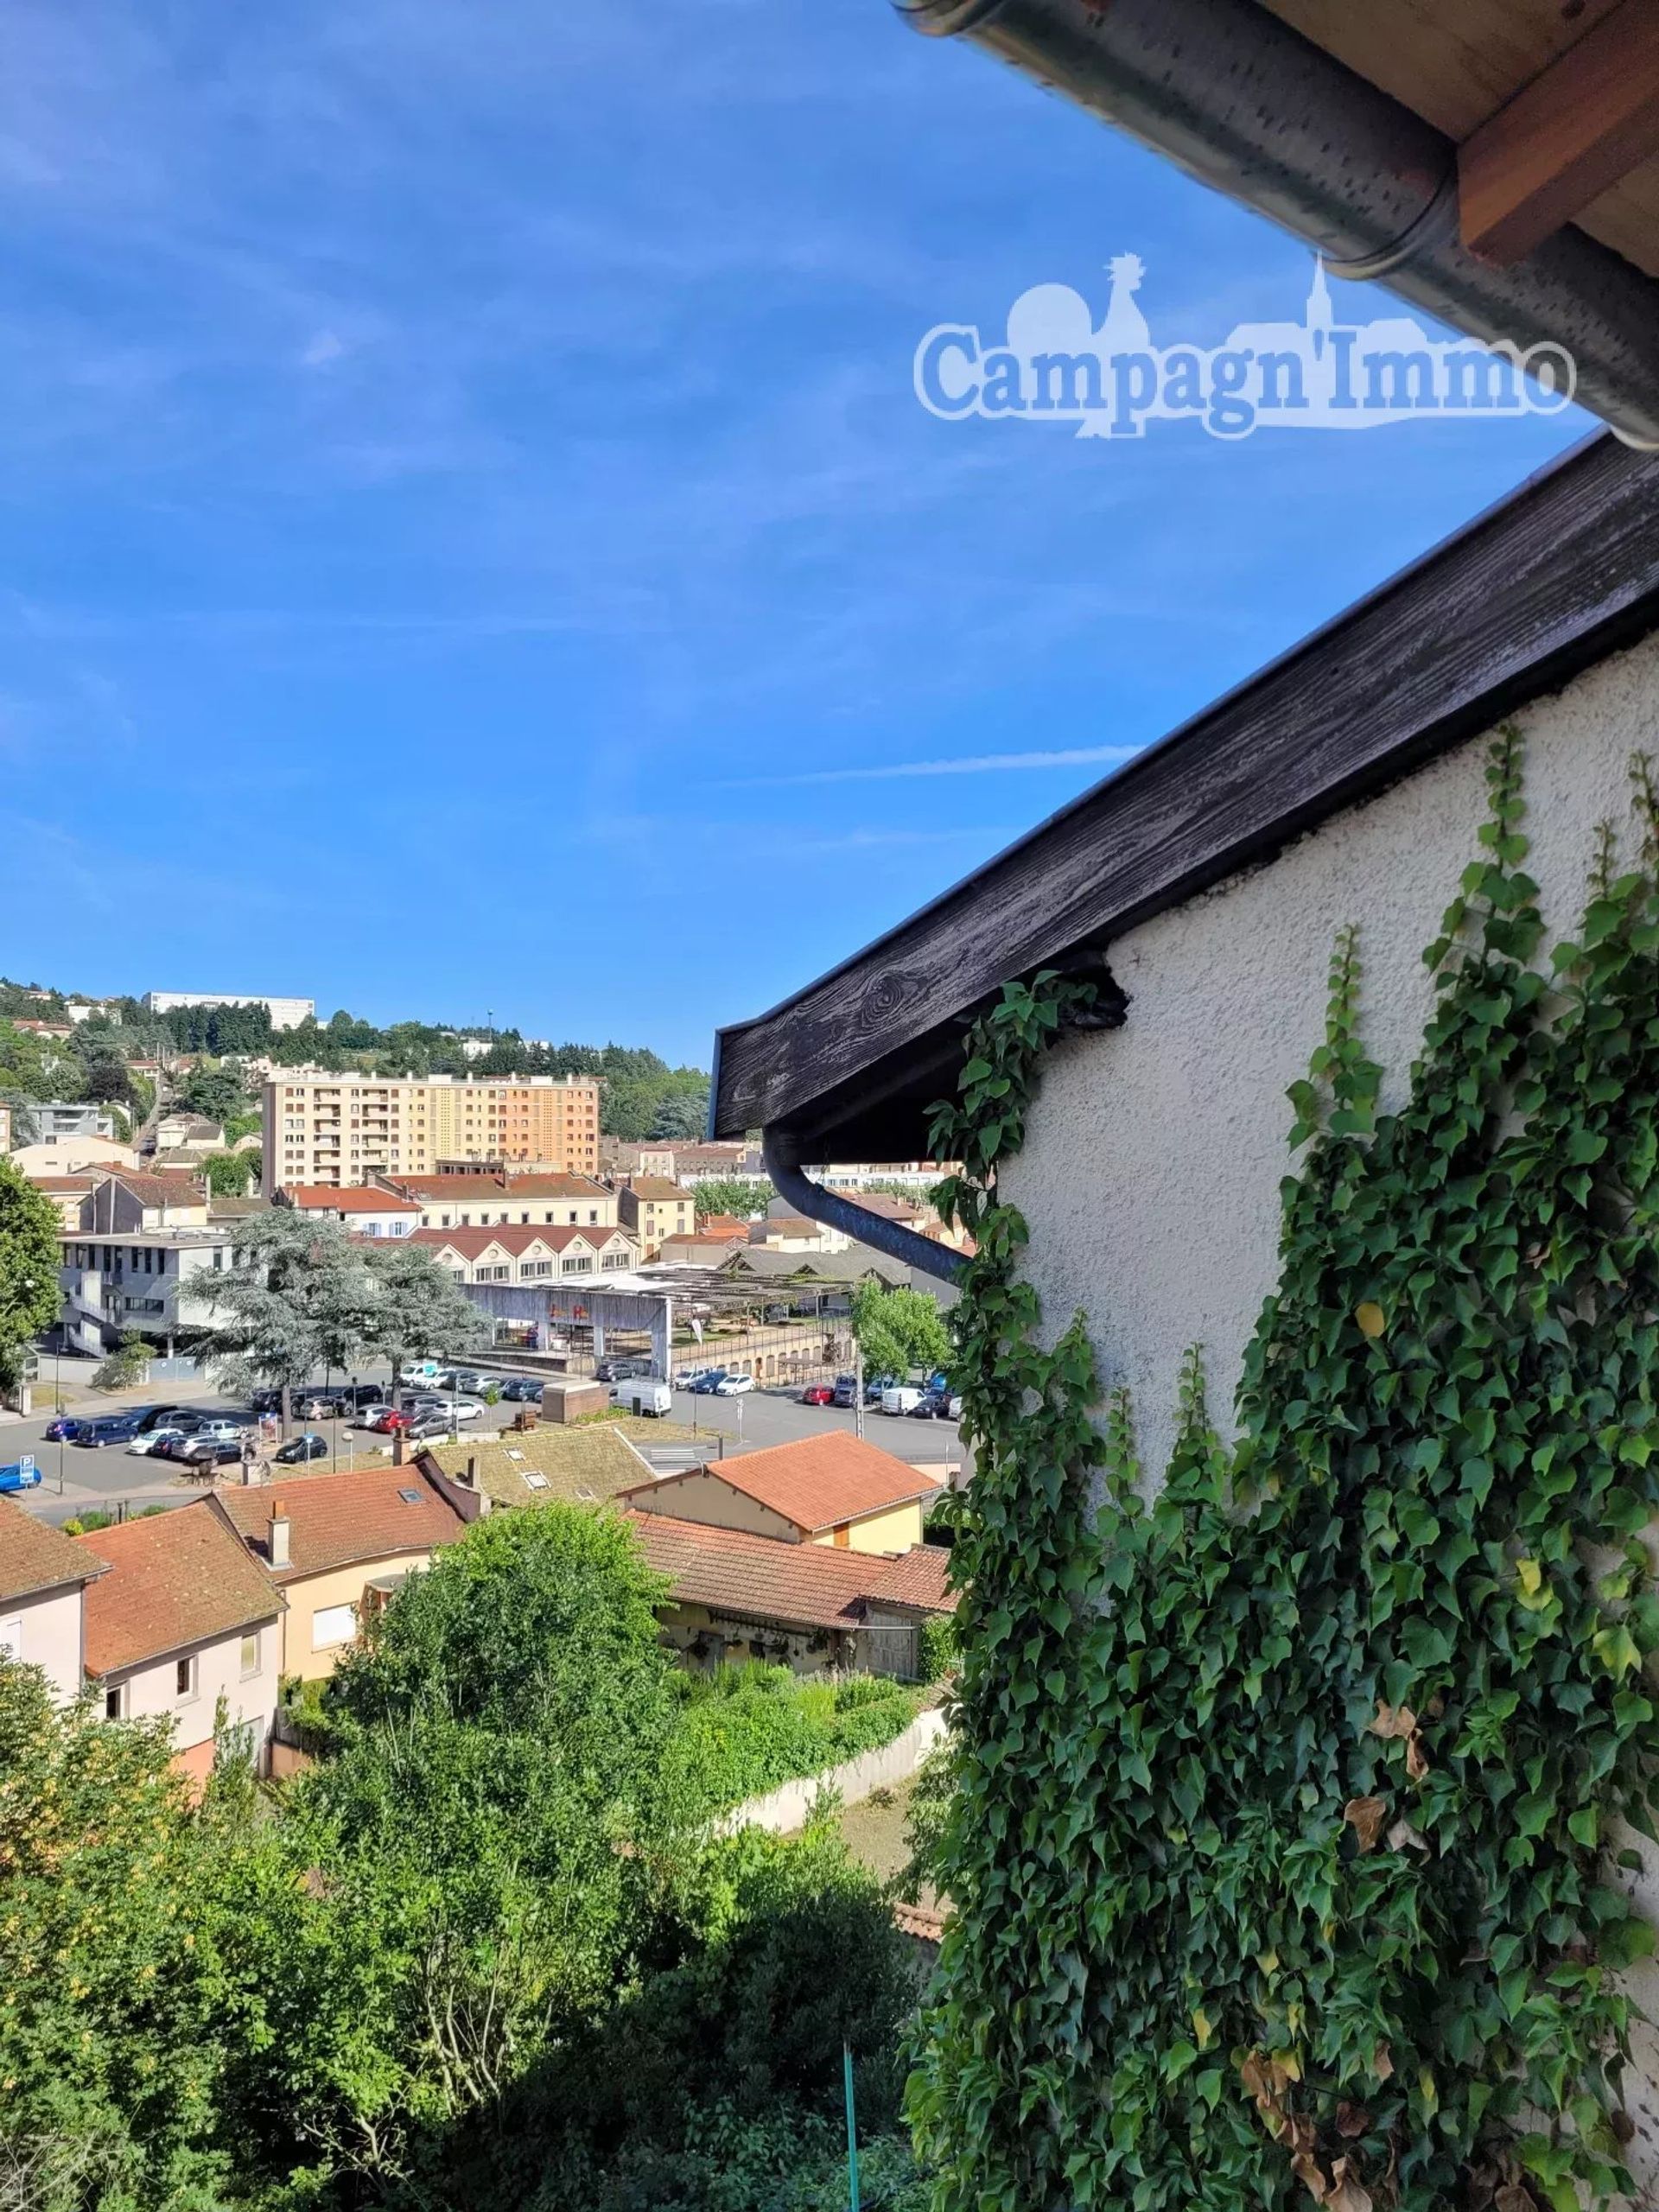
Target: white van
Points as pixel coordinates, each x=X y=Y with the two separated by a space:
x=899 y=1398
x=645 y=1393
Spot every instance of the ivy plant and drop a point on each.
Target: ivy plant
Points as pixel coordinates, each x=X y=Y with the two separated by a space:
x=1293 y=1788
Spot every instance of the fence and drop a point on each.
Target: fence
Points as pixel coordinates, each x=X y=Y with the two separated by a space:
x=785 y=1810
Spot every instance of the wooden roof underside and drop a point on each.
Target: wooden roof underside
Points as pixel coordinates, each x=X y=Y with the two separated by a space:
x=1458 y=62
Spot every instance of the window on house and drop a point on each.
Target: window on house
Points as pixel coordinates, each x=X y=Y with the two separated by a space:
x=115 y=1701
x=184 y=1682
x=250 y=1655
x=332 y=1625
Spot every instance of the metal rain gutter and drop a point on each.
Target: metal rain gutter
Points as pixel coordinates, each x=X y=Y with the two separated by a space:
x=1247 y=104
x=782 y=1153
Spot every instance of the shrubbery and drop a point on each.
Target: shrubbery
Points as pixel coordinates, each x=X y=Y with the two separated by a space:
x=485 y=1952
x=744 y=1730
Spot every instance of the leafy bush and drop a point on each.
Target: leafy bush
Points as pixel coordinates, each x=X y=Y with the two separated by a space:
x=124 y=1366
x=937 y=1646
x=744 y=1730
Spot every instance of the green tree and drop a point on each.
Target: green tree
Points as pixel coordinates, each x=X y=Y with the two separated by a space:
x=231 y=1175
x=300 y=1298
x=488 y=1839
x=215 y=1092
x=681 y=1114
x=30 y=1298
x=419 y=1308
x=898 y=1330
x=732 y=1194
x=110 y=2054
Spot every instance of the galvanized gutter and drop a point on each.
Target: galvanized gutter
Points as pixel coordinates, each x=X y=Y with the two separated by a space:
x=782 y=1153
x=1242 y=102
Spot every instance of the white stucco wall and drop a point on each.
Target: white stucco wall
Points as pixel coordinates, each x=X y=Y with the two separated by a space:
x=44 y=1630
x=249 y=1699
x=1153 y=1155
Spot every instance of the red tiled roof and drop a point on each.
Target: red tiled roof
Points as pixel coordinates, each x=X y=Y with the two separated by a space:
x=886 y=1203
x=351 y=1197
x=340 y=1520
x=34 y=1556
x=66 y=1186
x=517 y=1237
x=916 y=1578
x=758 y=1578
x=723 y=1225
x=496 y=1186
x=176 y=1578
x=817 y=1482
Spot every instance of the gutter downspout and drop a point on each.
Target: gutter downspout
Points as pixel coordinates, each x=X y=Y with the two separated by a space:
x=1246 y=105
x=782 y=1153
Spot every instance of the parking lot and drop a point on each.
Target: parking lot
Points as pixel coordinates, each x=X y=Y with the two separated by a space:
x=78 y=1481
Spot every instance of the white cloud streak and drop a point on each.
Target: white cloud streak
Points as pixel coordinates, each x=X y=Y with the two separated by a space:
x=977 y=764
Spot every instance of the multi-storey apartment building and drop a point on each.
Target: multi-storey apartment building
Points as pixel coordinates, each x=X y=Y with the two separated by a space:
x=340 y=1130
x=285 y=1014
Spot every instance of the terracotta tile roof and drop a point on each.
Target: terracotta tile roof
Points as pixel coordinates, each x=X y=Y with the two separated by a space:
x=351 y=1198
x=34 y=1556
x=725 y=1226
x=817 y=1482
x=916 y=1578
x=788 y=1225
x=496 y=1186
x=517 y=1237
x=757 y=1577
x=658 y=1187
x=66 y=1186
x=176 y=1578
x=342 y=1519
x=886 y=1203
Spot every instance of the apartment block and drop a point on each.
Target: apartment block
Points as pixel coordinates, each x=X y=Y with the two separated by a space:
x=341 y=1130
x=285 y=1014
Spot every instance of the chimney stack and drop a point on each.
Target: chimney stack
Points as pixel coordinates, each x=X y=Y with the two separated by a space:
x=278 y=1539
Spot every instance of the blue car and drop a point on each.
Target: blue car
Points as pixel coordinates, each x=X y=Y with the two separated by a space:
x=20 y=1475
x=707 y=1383
x=106 y=1429
x=61 y=1428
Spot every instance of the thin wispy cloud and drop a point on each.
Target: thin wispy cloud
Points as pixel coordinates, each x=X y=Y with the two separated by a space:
x=977 y=764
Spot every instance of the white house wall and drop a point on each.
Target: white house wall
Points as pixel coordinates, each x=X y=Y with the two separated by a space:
x=1154 y=1156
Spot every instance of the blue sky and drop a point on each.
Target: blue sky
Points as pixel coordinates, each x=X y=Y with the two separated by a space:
x=459 y=478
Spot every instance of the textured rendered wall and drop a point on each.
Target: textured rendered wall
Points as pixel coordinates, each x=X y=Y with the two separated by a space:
x=1150 y=1176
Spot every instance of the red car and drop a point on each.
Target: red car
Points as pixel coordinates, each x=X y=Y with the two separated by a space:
x=383 y=1421
x=817 y=1394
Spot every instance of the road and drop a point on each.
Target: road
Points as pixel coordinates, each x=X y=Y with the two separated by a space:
x=78 y=1481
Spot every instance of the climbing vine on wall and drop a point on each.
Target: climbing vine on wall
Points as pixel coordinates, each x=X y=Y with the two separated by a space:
x=1286 y=1849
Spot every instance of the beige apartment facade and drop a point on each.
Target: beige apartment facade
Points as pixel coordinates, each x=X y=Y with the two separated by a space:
x=341 y=1130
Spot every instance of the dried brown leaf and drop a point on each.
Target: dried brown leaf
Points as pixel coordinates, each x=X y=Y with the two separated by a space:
x=1348 y=2193
x=1393 y=1721
x=1365 y=1815
x=1352 y=2119
x=1514 y=2198
x=1416 y=1758
x=1403 y=1837
x=1382 y=2062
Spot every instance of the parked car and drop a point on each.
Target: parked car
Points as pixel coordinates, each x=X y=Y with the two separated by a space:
x=621 y=1369
x=900 y=1398
x=106 y=1429
x=265 y=1402
x=734 y=1386
x=937 y=1405
x=522 y=1390
x=473 y=1380
x=301 y=1448
x=20 y=1475
x=205 y=1452
x=322 y=1405
x=708 y=1382
x=645 y=1393
x=150 y=1417
x=845 y=1393
x=383 y=1421
x=426 y=1425
x=152 y=1443
x=818 y=1394
x=60 y=1429
x=418 y=1370
x=877 y=1388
